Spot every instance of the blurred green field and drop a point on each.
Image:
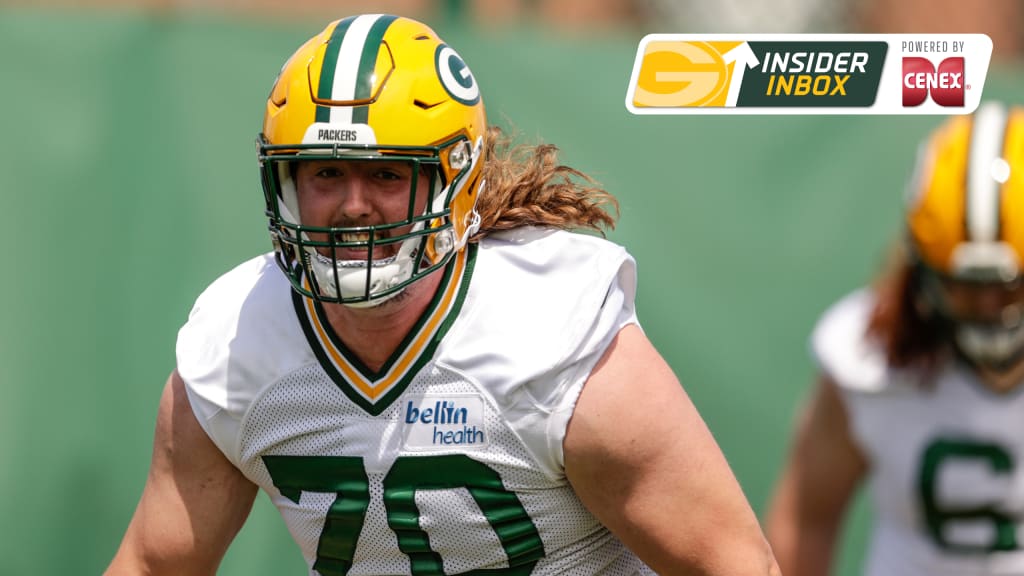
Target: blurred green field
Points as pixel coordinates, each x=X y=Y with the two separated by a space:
x=129 y=180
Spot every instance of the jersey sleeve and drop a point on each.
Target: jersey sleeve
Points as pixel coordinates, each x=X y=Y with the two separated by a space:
x=602 y=319
x=842 y=349
x=543 y=308
x=235 y=343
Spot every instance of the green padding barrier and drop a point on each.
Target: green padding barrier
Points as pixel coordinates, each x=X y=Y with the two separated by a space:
x=129 y=182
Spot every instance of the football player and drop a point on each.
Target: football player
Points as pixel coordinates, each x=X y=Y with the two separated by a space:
x=429 y=374
x=919 y=395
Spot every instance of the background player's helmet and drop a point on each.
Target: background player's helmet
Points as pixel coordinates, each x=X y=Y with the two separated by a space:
x=373 y=87
x=965 y=223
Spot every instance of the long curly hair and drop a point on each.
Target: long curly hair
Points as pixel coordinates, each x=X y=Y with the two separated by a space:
x=526 y=186
x=909 y=330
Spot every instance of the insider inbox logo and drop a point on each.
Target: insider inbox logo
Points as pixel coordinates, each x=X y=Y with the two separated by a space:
x=809 y=74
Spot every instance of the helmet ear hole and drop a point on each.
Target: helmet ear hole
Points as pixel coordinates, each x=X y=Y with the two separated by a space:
x=441 y=243
x=460 y=156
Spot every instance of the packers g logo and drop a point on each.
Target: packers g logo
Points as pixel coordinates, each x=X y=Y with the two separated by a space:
x=684 y=74
x=455 y=76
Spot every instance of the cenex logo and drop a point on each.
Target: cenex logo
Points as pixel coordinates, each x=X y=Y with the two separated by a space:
x=945 y=84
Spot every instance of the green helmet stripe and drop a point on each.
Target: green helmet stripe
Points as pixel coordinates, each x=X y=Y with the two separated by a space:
x=349 y=62
x=323 y=91
x=367 y=63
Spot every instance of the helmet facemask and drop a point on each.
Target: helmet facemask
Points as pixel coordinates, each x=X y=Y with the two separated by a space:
x=397 y=253
x=983 y=305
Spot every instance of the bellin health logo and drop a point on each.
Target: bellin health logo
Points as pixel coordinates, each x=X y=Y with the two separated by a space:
x=434 y=422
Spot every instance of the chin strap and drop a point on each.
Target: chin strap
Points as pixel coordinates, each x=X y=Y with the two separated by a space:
x=354 y=276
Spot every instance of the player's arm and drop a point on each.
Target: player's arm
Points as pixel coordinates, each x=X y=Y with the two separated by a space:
x=194 y=501
x=823 y=469
x=642 y=460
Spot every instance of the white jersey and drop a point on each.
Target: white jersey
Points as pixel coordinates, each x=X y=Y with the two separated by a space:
x=449 y=458
x=946 y=459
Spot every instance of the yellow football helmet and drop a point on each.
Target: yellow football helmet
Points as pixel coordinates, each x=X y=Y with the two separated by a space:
x=373 y=87
x=965 y=227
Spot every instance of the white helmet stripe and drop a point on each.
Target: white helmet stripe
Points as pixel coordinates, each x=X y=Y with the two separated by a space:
x=983 y=190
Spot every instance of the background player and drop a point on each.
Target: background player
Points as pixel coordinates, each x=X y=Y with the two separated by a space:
x=919 y=389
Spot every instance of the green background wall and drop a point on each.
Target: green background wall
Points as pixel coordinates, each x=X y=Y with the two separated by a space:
x=128 y=180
